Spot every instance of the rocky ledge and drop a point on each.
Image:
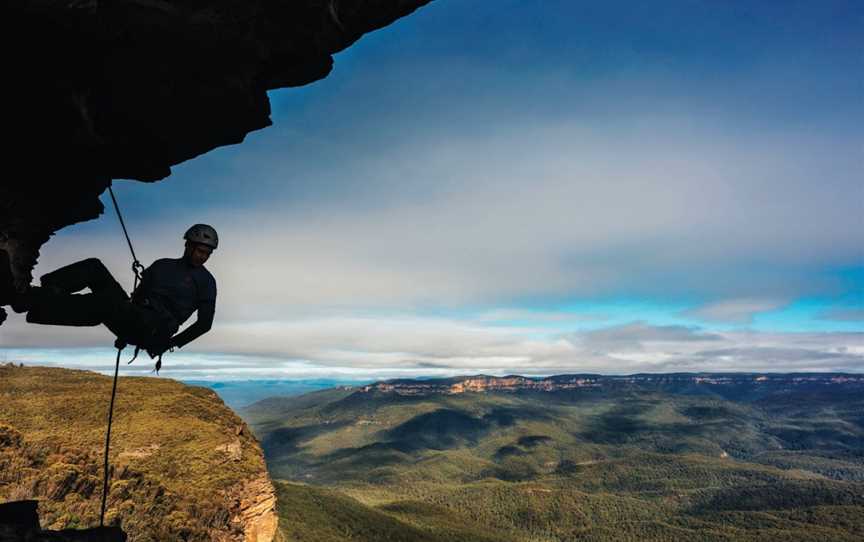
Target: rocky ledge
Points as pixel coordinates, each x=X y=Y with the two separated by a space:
x=183 y=465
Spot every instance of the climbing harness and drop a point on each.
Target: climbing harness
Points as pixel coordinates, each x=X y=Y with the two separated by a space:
x=137 y=268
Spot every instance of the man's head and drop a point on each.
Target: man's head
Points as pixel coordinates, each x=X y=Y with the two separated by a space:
x=196 y=253
x=201 y=241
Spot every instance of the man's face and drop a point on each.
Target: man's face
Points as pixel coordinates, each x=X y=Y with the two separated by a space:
x=197 y=253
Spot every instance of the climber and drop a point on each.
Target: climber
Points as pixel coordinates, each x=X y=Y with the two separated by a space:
x=170 y=291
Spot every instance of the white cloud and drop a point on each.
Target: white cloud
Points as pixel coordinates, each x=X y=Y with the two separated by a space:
x=659 y=207
x=638 y=337
x=498 y=219
x=382 y=347
x=844 y=315
x=540 y=317
x=739 y=311
x=400 y=214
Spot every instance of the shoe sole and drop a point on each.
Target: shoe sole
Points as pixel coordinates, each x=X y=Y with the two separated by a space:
x=7 y=286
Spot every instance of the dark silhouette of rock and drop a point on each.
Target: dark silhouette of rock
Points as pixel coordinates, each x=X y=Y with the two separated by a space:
x=20 y=514
x=95 y=91
x=19 y=522
x=6 y=290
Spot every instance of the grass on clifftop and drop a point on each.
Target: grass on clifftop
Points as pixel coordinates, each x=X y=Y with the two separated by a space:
x=175 y=450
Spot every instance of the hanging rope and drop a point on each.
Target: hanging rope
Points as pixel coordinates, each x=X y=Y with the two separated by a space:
x=137 y=268
x=108 y=440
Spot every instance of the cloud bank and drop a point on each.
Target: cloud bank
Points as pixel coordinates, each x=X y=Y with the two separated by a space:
x=369 y=348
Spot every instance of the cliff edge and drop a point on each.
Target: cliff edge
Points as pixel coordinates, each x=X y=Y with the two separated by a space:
x=184 y=466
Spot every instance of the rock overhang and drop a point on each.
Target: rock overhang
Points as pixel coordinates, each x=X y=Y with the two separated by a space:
x=127 y=89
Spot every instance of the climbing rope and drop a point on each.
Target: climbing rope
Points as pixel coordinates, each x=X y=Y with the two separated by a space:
x=120 y=345
x=137 y=268
x=108 y=440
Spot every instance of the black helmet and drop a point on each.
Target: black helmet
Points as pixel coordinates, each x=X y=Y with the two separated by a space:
x=204 y=234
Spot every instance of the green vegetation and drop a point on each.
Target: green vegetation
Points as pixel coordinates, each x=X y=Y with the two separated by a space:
x=309 y=514
x=630 y=463
x=179 y=456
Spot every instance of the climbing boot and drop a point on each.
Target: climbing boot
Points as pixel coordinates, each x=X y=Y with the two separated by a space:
x=33 y=296
x=23 y=301
x=7 y=286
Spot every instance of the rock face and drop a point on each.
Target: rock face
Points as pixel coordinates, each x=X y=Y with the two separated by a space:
x=256 y=510
x=95 y=91
x=183 y=465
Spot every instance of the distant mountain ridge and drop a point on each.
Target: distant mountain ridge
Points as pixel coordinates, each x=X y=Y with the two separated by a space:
x=485 y=383
x=648 y=457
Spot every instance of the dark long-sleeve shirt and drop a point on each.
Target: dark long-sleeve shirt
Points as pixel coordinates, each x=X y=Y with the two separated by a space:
x=177 y=289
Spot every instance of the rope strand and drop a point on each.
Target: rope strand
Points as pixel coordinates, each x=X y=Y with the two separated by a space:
x=136 y=270
x=137 y=267
x=108 y=440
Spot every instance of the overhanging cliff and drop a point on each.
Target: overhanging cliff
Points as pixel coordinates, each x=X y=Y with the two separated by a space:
x=95 y=91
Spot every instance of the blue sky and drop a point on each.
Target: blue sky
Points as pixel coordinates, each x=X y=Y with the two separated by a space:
x=529 y=187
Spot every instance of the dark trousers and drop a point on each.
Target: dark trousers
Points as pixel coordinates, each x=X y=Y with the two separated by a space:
x=107 y=303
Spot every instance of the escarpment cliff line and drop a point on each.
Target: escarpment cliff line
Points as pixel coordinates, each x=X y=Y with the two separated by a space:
x=183 y=465
x=562 y=383
x=95 y=91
